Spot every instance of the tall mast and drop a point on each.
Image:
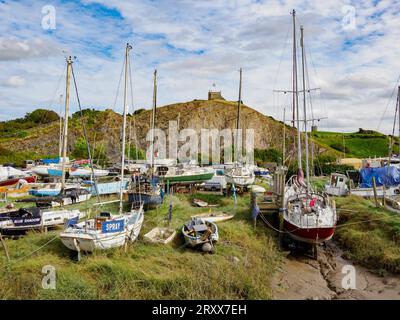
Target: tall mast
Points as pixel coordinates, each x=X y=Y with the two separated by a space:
x=398 y=107
x=60 y=142
x=304 y=104
x=284 y=137
x=128 y=47
x=238 y=118
x=295 y=94
x=65 y=135
x=153 y=120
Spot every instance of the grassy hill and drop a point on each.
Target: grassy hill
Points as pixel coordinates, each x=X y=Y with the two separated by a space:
x=360 y=144
x=36 y=135
x=104 y=127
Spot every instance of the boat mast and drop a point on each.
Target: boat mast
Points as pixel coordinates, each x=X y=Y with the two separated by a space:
x=238 y=118
x=60 y=140
x=153 y=120
x=304 y=105
x=391 y=139
x=284 y=137
x=398 y=108
x=295 y=94
x=65 y=135
x=128 y=47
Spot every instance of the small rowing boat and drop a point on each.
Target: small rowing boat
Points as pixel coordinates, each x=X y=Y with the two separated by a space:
x=160 y=235
x=200 y=233
x=217 y=216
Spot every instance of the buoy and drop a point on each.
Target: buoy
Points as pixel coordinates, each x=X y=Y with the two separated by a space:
x=206 y=247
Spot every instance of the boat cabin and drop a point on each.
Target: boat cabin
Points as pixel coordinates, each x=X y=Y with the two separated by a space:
x=337 y=185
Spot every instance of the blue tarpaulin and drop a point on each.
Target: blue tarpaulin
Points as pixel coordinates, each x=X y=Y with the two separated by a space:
x=388 y=176
x=48 y=161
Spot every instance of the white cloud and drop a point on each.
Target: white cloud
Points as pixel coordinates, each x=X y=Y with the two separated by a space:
x=14 y=49
x=356 y=70
x=14 y=81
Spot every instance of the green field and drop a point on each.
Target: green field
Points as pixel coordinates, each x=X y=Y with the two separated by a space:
x=358 y=145
x=241 y=268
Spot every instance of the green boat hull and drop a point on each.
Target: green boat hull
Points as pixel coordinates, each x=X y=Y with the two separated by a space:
x=196 y=178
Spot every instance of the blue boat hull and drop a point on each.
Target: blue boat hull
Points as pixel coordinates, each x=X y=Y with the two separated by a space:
x=108 y=187
x=54 y=172
x=150 y=201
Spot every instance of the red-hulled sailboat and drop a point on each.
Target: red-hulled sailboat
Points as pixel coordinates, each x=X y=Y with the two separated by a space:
x=14 y=180
x=308 y=216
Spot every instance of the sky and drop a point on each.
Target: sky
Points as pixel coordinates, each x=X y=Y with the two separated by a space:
x=351 y=47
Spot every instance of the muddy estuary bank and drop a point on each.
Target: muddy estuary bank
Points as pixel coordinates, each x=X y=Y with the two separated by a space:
x=302 y=277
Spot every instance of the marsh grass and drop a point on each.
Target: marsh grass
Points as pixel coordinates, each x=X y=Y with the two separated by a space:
x=372 y=243
x=241 y=268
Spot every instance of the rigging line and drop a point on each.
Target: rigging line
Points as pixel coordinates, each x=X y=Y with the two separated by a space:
x=281 y=58
x=107 y=127
x=134 y=122
x=311 y=106
x=387 y=104
x=318 y=82
x=119 y=85
x=85 y=135
x=391 y=139
x=34 y=251
x=133 y=110
x=62 y=75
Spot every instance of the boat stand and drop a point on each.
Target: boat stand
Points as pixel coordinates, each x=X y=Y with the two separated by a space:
x=78 y=249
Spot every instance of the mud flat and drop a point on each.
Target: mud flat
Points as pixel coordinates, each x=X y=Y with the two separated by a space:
x=303 y=278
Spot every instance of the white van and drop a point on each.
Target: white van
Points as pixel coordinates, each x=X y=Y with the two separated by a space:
x=215 y=183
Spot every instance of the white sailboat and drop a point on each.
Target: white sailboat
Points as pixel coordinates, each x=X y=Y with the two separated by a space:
x=240 y=174
x=87 y=172
x=108 y=230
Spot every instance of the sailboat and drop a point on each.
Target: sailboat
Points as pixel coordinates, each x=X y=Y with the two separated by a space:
x=187 y=173
x=308 y=216
x=10 y=176
x=239 y=174
x=108 y=230
x=148 y=189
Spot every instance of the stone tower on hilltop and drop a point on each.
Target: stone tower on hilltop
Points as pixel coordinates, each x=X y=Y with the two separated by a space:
x=215 y=95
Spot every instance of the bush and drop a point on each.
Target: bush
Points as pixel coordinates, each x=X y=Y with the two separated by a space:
x=11 y=128
x=80 y=149
x=268 y=155
x=134 y=152
x=21 y=134
x=139 y=111
x=41 y=116
x=340 y=147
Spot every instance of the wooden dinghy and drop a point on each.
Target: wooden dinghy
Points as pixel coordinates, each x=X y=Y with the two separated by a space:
x=200 y=203
x=216 y=216
x=199 y=233
x=160 y=235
